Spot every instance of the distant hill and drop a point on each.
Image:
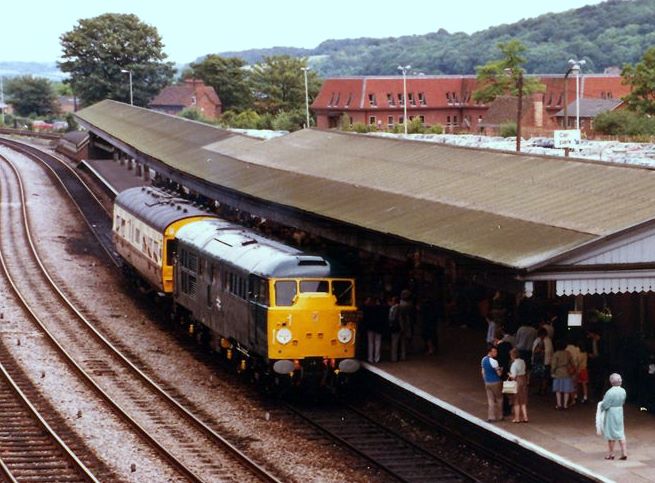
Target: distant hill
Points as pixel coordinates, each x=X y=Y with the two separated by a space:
x=48 y=70
x=609 y=34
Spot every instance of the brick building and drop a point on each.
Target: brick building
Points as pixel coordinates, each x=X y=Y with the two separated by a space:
x=191 y=94
x=448 y=100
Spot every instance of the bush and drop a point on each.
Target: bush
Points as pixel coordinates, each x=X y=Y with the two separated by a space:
x=194 y=115
x=508 y=129
x=361 y=128
x=289 y=121
x=624 y=123
x=435 y=129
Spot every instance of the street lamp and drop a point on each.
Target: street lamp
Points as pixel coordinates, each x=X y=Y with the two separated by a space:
x=519 y=108
x=305 y=69
x=125 y=71
x=404 y=69
x=576 y=66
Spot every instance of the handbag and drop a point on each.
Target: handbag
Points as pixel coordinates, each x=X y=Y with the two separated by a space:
x=510 y=387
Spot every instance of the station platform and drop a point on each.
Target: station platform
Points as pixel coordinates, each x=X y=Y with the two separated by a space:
x=113 y=175
x=451 y=378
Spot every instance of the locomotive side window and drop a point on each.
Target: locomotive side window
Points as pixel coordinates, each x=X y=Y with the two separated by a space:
x=285 y=291
x=314 y=286
x=343 y=291
x=171 y=251
x=258 y=292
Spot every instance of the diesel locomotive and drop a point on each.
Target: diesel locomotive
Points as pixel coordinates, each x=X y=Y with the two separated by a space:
x=266 y=305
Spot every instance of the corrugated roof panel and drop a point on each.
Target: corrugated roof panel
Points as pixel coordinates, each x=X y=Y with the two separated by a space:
x=510 y=209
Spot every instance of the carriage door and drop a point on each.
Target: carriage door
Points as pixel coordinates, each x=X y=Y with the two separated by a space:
x=258 y=302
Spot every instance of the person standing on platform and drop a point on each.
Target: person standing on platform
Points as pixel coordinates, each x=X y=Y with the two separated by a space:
x=525 y=336
x=517 y=372
x=492 y=328
x=395 y=328
x=493 y=385
x=612 y=406
x=560 y=370
x=373 y=322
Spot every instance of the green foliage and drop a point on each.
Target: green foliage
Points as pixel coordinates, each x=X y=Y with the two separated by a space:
x=289 y=121
x=505 y=75
x=31 y=95
x=72 y=122
x=608 y=34
x=641 y=79
x=97 y=50
x=62 y=89
x=247 y=119
x=344 y=122
x=194 y=114
x=624 y=123
x=508 y=129
x=228 y=78
x=435 y=129
x=278 y=84
x=361 y=128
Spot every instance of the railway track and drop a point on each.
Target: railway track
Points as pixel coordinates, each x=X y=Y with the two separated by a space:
x=31 y=449
x=398 y=456
x=196 y=450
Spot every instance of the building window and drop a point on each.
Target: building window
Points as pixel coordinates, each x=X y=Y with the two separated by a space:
x=401 y=120
x=371 y=120
x=410 y=98
x=422 y=118
x=350 y=98
x=338 y=98
x=390 y=99
x=390 y=121
x=372 y=101
x=331 y=100
x=421 y=99
x=448 y=98
x=448 y=121
x=559 y=100
x=550 y=99
x=411 y=118
x=401 y=100
x=479 y=119
x=455 y=121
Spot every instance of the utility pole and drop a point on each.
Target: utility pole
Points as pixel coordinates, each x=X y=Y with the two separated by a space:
x=305 y=69
x=404 y=69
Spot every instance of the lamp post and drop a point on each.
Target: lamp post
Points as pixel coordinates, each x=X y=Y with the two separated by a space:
x=576 y=66
x=519 y=107
x=404 y=69
x=125 y=71
x=305 y=69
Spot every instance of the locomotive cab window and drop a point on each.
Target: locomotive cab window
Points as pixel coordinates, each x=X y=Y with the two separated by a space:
x=343 y=291
x=314 y=286
x=285 y=292
x=171 y=251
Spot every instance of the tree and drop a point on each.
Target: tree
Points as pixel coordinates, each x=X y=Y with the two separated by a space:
x=98 y=49
x=31 y=96
x=228 y=78
x=641 y=78
x=278 y=84
x=504 y=75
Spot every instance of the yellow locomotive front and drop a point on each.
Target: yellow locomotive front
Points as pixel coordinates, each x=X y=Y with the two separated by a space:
x=312 y=325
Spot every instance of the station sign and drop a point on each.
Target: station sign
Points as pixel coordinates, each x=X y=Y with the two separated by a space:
x=569 y=138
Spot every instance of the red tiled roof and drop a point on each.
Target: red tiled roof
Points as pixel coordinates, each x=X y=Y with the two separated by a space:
x=448 y=90
x=182 y=95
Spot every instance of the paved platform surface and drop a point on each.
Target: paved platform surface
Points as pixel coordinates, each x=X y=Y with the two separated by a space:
x=115 y=175
x=453 y=375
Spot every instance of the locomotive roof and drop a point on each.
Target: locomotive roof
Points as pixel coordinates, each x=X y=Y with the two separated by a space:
x=253 y=253
x=156 y=207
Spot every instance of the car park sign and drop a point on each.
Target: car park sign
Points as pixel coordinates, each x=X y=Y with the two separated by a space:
x=569 y=138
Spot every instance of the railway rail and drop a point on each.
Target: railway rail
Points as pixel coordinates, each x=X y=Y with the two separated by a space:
x=196 y=450
x=31 y=449
x=398 y=456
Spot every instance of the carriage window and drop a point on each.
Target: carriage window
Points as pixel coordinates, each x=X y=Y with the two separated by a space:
x=171 y=251
x=314 y=286
x=285 y=291
x=343 y=291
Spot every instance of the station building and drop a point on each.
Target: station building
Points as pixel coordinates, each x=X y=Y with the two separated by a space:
x=448 y=100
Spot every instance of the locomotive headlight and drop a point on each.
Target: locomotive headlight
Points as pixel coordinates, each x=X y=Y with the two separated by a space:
x=283 y=336
x=345 y=335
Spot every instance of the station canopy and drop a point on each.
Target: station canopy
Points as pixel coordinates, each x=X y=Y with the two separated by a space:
x=574 y=221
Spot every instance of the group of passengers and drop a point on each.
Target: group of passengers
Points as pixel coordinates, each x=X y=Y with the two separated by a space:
x=408 y=325
x=534 y=356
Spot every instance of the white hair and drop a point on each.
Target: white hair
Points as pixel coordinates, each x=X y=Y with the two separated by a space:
x=615 y=379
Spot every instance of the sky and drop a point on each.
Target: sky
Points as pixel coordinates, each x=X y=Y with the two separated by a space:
x=31 y=28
